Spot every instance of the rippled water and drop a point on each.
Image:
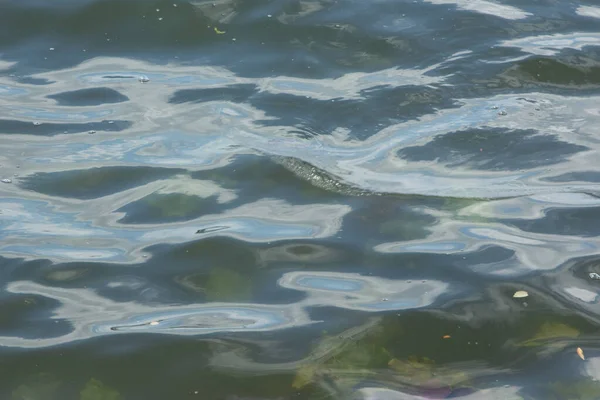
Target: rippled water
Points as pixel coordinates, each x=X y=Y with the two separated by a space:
x=299 y=199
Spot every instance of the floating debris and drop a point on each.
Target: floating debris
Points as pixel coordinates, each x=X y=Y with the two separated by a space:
x=144 y=79
x=51 y=49
x=580 y=353
x=6 y=180
x=36 y=123
x=91 y=132
x=594 y=275
x=218 y=32
x=502 y=113
x=154 y=323
x=446 y=337
x=520 y=294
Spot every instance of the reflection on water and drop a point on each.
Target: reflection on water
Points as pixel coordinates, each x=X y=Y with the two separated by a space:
x=309 y=199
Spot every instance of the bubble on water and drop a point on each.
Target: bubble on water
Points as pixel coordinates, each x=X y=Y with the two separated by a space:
x=36 y=123
x=503 y=113
x=269 y=15
x=6 y=180
x=160 y=19
x=144 y=79
x=174 y=5
x=51 y=49
x=158 y=9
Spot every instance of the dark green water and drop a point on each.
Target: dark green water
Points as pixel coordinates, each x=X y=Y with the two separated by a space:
x=299 y=199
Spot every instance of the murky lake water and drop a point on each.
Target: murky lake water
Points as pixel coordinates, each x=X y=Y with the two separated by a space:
x=299 y=199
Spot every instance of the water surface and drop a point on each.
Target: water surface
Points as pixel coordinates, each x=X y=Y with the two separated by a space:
x=309 y=199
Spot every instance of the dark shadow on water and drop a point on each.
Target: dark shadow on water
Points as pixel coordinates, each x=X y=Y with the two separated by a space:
x=159 y=208
x=89 y=97
x=234 y=93
x=94 y=182
x=574 y=72
x=579 y=176
x=568 y=222
x=493 y=149
x=54 y=128
x=380 y=107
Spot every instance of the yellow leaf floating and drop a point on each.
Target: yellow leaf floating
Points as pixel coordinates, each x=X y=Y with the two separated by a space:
x=218 y=32
x=580 y=353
